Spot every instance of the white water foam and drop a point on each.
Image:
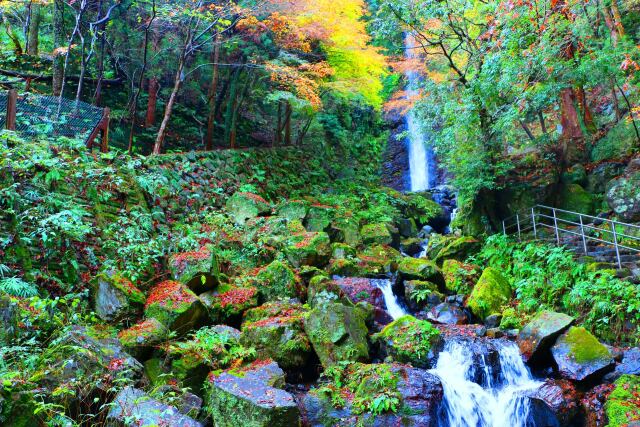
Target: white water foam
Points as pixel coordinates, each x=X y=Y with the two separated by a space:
x=394 y=308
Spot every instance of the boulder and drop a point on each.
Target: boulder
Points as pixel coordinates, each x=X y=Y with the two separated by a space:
x=537 y=337
x=359 y=289
x=338 y=333
x=459 y=277
x=251 y=396
x=447 y=314
x=293 y=210
x=420 y=269
x=309 y=248
x=572 y=197
x=175 y=306
x=459 y=249
x=115 y=296
x=277 y=280
x=411 y=246
x=377 y=233
x=244 y=206
x=319 y=217
x=142 y=337
x=602 y=174
x=342 y=251
x=420 y=295
x=409 y=340
x=629 y=365
x=322 y=290
x=490 y=295
x=580 y=356
x=378 y=259
x=562 y=399
x=227 y=303
x=276 y=331
x=197 y=270
x=623 y=406
x=407 y=227
x=624 y=198
x=133 y=406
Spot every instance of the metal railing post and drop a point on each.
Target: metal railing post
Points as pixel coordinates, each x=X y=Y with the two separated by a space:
x=533 y=218
x=504 y=229
x=518 y=222
x=584 y=239
x=555 y=226
x=615 y=242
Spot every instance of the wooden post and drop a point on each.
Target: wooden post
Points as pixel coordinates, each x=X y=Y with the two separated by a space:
x=103 y=128
x=12 y=106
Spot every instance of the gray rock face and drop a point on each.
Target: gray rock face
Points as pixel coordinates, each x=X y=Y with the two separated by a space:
x=579 y=355
x=602 y=174
x=561 y=398
x=251 y=398
x=110 y=303
x=624 y=198
x=630 y=365
x=133 y=406
x=539 y=334
x=447 y=314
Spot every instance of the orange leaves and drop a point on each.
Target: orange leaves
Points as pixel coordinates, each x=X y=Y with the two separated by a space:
x=629 y=64
x=298 y=81
x=286 y=33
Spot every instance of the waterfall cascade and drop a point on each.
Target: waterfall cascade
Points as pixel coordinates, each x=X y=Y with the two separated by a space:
x=494 y=403
x=394 y=308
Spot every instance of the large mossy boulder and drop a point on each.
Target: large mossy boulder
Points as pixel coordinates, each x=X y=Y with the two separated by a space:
x=572 y=197
x=490 y=294
x=277 y=280
x=624 y=198
x=579 y=355
x=251 y=397
x=420 y=269
x=133 y=406
x=197 y=270
x=310 y=248
x=175 y=306
x=459 y=278
x=623 y=405
x=378 y=259
x=459 y=249
x=409 y=340
x=115 y=297
x=142 y=337
x=319 y=217
x=293 y=210
x=338 y=333
x=227 y=303
x=420 y=295
x=276 y=331
x=537 y=337
x=602 y=175
x=376 y=234
x=244 y=206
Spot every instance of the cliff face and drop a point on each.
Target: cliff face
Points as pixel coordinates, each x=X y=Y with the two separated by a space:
x=395 y=162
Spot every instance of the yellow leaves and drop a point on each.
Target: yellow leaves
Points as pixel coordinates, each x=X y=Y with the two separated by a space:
x=297 y=80
x=62 y=50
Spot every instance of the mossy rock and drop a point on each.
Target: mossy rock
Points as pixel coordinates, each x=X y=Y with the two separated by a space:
x=277 y=280
x=342 y=251
x=175 y=306
x=293 y=210
x=579 y=355
x=537 y=337
x=115 y=297
x=409 y=340
x=624 y=198
x=459 y=278
x=345 y=229
x=319 y=217
x=338 y=333
x=459 y=249
x=198 y=270
x=308 y=248
x=143 y=336
x=623 y=406
x=343 y=267
x=420 y=269
x=572 y=197
x=420 y=295
x=576 y=174
x=244 y=206
x=378 y=233
x=378 y=259
x=490 y=295
x=276 y=331
x=227 y=303
x=323 y=290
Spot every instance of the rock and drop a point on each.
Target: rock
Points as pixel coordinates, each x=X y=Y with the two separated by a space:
x=185 y=402
x=411 y=246
x=342 y=251
x=420 y=269
x=561 y=398
x=377 y=260
x=495 y=333
x=418 y=392
x=420 y=295
x=576 y=174
x=175 y=306
x=338 y=333
x=540 y=414
x=198 y=270
x=308 y=248
x=493 y=320
x=623 y=406
x=227 y=303
x=359 y=289
x=459 y=277
x=142 y=337
x=629 y=365
x=459 y=249
x=133 y=405
x=244 y=206
x=276 y=330
x=293 y=210
x=407 y=227
x=322 y=290
x=484 y=353
x=115 y=296
x=447 y=314
x=409 y=340
x=602 y=174
x=8 y=319
x=574 y=198
x=537 y=337
x=624 y=198
x=490 y=294
x=251 y=397
x=580 y=356
x=319 y=218
x=277 y=280
x=379 y=234
x=593 y=406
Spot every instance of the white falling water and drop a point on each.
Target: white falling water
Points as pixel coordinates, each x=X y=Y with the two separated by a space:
x=418 y=156
x=394 y=308
x=468 y=404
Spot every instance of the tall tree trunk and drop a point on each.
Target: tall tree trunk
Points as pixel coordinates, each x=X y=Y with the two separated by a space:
x=587 y=116
x=278 y=136
x=152 y=102
x=58 y=42
x=15 y=40
x=231 y=104
x=33 y=39
x=211 y=120
x=100 y=58
x=287 y=123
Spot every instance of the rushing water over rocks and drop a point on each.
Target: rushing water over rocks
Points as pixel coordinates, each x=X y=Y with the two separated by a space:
x=481 y=392
x=394 y=308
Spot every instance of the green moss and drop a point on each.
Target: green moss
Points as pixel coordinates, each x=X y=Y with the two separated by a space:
x=308 y=249
x=277 y=280
x=459 y=249
x=623 y=405
x=619 y=142
x=575 y=198
x=376 y=234
x=409 y=340
x=420 y=269
x=293 y=209
x=584 y=347
x=459 y=277
x=491 y=293
x=510 y=319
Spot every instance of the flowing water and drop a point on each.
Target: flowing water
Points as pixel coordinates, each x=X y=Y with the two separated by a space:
x=394 y=308
x=494 y=403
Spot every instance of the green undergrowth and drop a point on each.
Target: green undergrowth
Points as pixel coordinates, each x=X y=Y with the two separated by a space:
x=549 y=277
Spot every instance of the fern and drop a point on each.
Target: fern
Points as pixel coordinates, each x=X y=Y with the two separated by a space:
x=17 y=287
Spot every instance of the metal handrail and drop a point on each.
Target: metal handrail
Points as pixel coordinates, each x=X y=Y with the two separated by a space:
x=531 y=221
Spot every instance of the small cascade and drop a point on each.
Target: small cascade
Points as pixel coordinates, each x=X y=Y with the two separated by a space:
x=497 y=402
x=394 y=308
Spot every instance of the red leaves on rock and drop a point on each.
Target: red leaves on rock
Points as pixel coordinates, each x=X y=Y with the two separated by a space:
x=236 y=296
x=169 y=292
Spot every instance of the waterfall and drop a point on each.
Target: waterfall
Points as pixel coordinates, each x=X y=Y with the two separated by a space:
x=421 y=161
x=491 y=404
x=394 y=308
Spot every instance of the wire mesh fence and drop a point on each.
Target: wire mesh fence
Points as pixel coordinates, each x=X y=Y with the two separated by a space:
x=51 y=116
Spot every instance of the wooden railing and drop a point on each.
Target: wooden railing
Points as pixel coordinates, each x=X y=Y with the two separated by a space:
x=587 y=228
